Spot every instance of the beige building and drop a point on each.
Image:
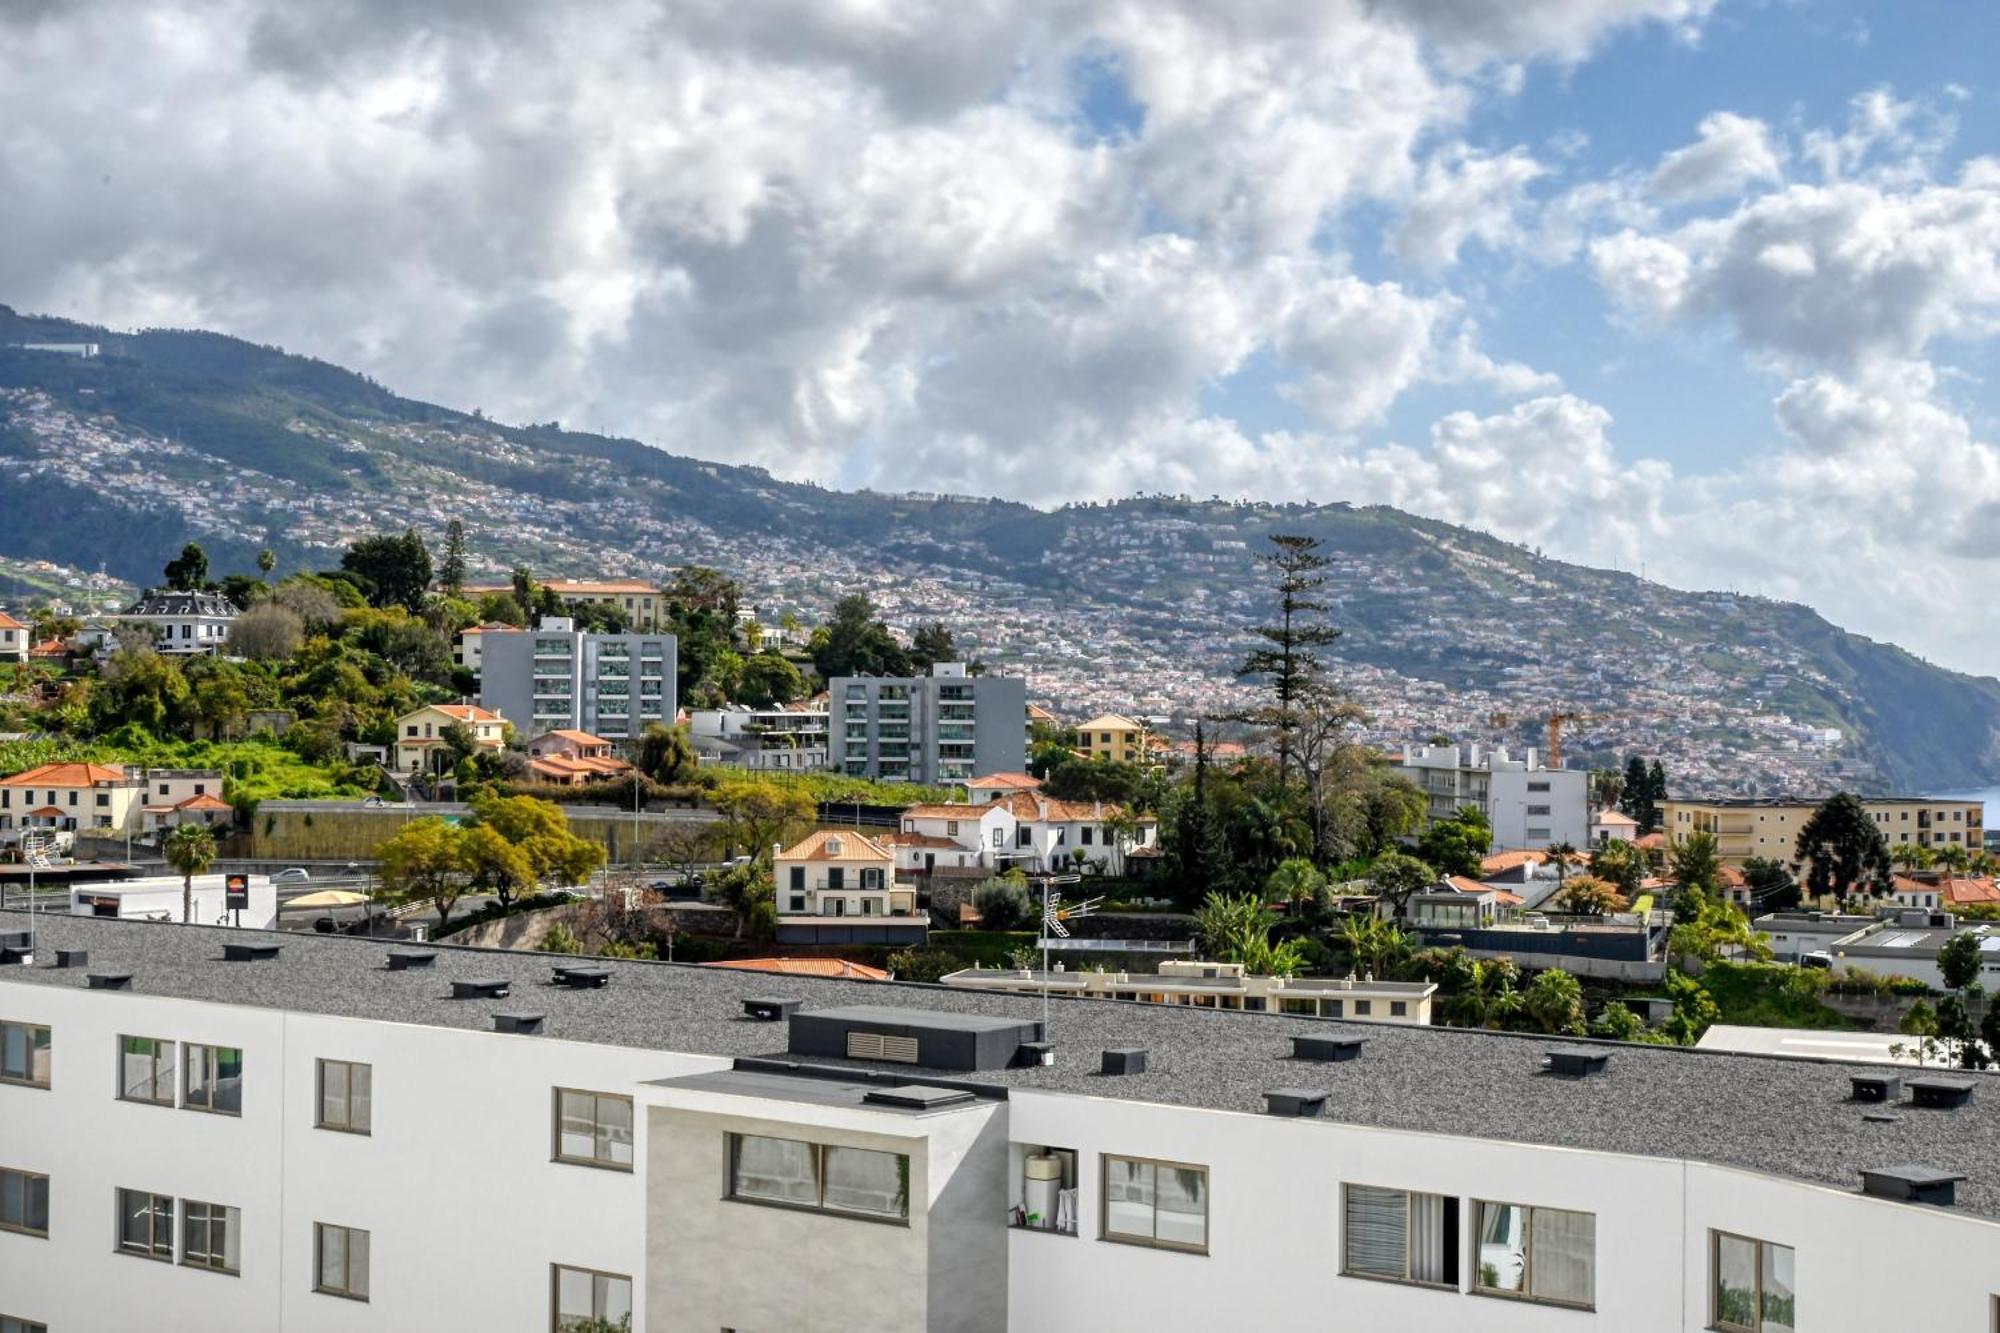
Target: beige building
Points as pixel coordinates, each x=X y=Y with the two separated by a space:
x=1116 y=737
x=13 y=639
x=68 y=797
x=420 y=733
x=1747 y=828
x=839 y=887
x=1221 y=986
x=645 y=607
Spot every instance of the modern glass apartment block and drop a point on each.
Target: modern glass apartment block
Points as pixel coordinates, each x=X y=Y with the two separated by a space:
x=555 y=677
x=942 y=728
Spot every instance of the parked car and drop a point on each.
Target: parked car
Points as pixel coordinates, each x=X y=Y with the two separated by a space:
x=295 y=875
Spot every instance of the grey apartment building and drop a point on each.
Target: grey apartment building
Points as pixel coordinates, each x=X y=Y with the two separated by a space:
x=556 y=677
x=945 y=727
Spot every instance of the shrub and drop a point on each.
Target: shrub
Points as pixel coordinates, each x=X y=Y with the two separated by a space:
x=1004 y=904
x=925 y=964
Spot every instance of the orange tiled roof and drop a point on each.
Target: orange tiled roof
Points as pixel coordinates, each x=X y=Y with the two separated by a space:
x=48 y=648
x=1650 y=840
x=1010 y=781
x=203 y=802
x=806 y=967
x=853 y=847
x=579 y=737
x=1615 y=817
x=8 y=622
x=46 y=812
x=467 y=712
x=65 y=775
x=1499 y=861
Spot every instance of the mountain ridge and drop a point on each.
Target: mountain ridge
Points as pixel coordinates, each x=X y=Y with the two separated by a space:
x=172 y=434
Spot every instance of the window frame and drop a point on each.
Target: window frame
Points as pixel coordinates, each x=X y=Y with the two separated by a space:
x=1104 y=1232
x=226 y=1215
x=600 y=1163
x=1716 y=1236
x=320 y=1121
x=1478 y=1229
x=1455 y=1259
x=22 y=1228
x=732 y=1150
x=210 y=1055
x=151 y=1250
x=346 y=1292
x=172 y=1065
x=556 y=1271
x=48 y=1044
x=16 y=1324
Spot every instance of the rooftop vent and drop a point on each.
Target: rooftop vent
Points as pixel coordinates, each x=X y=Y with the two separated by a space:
x=770 y=1008
x=1576 y=1061
x=1911 y=1184
x=1295 y=1101
x=1327 y=1048
x=526 y=1025
x=1124 y=1060
x=108 y=980
x=402 y=960
x=1942 y=1094
x=72 y=957
x=1877 y=1087
x=249 y=953
x=581 y=978
x=481 y=988
x=931 y=1038
x=916 y=1097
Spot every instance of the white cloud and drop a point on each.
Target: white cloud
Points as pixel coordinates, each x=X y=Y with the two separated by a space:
x=1733 y=152
x=1464 y=195
x=1470 y=32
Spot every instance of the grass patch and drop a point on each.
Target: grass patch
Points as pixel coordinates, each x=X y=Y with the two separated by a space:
x=1770 y=995
x=252 y=770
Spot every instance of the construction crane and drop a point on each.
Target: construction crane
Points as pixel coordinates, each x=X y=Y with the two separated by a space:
x=1557 y=721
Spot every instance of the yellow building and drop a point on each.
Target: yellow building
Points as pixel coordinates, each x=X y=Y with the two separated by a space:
x=1747 y=828
x=1114 y=736
x=839 y=886
x=420 y=734
x=645 y=607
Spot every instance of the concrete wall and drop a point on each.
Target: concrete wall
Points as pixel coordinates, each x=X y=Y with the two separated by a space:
x=352 y=833
x=824 y=1273
x=466 y=1209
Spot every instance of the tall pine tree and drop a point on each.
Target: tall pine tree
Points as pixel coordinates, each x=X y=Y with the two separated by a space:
x=1289 y=658
x=451 y=574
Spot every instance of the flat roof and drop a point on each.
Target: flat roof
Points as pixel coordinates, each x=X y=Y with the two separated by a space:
x=1651 y=1101
x=1780 y=803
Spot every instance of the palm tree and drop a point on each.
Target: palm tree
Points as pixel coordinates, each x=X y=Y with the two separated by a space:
x=1952 y=858
x=1562 y=853
x=190 y=851
x=1911 y=856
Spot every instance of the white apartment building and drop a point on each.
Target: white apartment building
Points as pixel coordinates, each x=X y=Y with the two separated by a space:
x=183 y=622
x=1206 y=985
x=313 y=1141
x=1017 y=826
x=785 y=739
x=1529 y=804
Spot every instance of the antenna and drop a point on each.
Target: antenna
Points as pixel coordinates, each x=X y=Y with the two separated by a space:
x=1054 y=914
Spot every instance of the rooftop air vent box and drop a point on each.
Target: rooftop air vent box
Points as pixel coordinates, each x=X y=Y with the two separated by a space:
x=928 y=1038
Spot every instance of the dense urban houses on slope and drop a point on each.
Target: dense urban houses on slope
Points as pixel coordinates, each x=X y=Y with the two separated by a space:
x=573 y=758
x=644 y=607
x=1528 y=804
x=556 y=677
x=13 y=640
x=940 y=728
x=420 y=734
x=296 y=1142
x=840 y=888
x=1770 y=828
x=183 y=622
x=68 y=797
x=789 y=738
x=1205 y=985
x=1015 y=826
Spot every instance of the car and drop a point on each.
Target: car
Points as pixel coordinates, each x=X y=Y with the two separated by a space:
x=295 y=875
x=374 y=803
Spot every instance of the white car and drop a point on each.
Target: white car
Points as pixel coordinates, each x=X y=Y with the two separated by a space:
x=296 y=875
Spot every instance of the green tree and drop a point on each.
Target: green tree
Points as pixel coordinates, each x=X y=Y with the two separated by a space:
x=750 y=894
x=1004 y=904
x=1373 y=945
x=1843 y=850
x=1553 y=1001
x=451 y=573
x=1587 y=895
x=494 y=865
x=1607 y=785
x=1395 y=876
x=1238 y=930
x=266 y=632
x=1617 y=1023
x=1770 y=885
x=666 y=754
x=1641 y=791
x=931 y=644
x=1297 y=882
x=267 y=560
x=1694 y=1009
x=1457 y=845
x=1717 y=928
x=1958 y=961
x=1197 y=847
x=1289 y=659
x=1921 y=1022
x=187 y=571
x=1696 y=863
x=190 y=850
x=758 y=815
x=858 y=643
x=397 y=568
x=768 y=679
x=1620 y=864
x=424 y=861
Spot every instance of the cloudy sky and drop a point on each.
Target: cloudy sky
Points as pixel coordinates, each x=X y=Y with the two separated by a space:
x=1708 y=287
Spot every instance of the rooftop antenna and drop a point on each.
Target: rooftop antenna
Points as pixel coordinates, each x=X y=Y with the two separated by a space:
x=1054 y=915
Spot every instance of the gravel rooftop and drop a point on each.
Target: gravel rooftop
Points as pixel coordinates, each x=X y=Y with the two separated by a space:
x=1780 y=1115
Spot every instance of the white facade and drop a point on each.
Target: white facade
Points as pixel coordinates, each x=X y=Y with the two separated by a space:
x=14 y=643
x=764 y=739
x=160 y=898
x=1530 y=806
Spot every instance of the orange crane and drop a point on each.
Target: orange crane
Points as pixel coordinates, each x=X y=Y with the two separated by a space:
x=1557 y=721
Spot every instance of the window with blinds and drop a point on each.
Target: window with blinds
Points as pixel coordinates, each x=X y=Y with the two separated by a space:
x=879 y=1046
x=1537 y=1254
x=1400 y=1236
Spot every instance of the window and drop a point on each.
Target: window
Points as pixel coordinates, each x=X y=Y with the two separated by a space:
x=1538 y=810
x=9 y=1324
x=346 y=1096
x=24 y=1202
x=856 y=1181
x=1538 y=786
x=1537 y=1254
x=24 y=1054
x=798 y=902
x=146 y=1070
x=1399 y=1008
x=1088 y=831
x=341 y=1264
x=1753 y=1284
x=593 y=1129
x=1155 y=1203
x=586 y=1301
x=1400 y=1236
x=1364 y=1008
x=210 y=1236
x=146 y=1224
x=214 y=1079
